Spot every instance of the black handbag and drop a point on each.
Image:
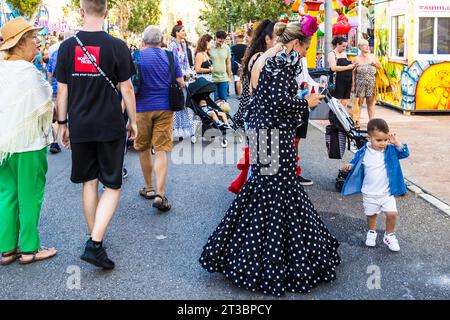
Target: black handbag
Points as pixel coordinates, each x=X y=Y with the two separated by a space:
x=335 y=138
x=176 y=94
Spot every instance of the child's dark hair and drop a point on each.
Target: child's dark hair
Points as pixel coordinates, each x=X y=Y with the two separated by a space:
x=377 y=125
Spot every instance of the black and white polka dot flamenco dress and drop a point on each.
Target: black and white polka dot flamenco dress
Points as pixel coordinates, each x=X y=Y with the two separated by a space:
x=271 y=238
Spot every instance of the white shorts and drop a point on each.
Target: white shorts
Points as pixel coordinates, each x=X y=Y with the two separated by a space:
x=237 y=78
x=377 y=204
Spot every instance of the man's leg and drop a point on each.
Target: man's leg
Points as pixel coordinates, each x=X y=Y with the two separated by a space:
x=161 y=166
x=145 y=158
x=110 y=157
x=217 y=91
x=90 y=203
x=105 y=211
x=163 y=144
x=85 y=170
x=224 y=87
x=143 y=144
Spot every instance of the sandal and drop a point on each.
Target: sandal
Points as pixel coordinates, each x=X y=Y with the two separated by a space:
x=10 y=257
x=164 y=205
x=35 y=257
x=144 y=193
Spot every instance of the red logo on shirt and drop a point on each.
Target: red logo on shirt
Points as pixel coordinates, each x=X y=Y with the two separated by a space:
x=82 y=62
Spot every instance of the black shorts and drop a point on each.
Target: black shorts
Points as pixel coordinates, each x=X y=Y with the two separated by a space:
x=98 y=160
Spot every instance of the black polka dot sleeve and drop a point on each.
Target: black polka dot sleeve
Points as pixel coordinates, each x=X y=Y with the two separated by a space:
x=284 y=94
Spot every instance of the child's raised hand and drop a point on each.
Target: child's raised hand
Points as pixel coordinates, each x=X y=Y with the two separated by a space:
x=347 y=167
x=394 y=140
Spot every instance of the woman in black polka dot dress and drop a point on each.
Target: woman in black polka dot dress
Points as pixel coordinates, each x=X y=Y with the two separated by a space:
x=271 y=238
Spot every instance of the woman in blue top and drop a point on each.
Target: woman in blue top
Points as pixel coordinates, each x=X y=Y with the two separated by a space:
x=183 y=126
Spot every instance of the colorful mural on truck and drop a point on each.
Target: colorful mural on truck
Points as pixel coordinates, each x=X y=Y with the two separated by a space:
x=413 y=83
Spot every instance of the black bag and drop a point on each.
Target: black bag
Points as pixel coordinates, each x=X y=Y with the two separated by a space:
x=136 y=79
x=176 y=95
x=335 y=139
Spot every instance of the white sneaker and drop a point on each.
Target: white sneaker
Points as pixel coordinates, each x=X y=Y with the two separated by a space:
x=371 y=239
x=391 y=241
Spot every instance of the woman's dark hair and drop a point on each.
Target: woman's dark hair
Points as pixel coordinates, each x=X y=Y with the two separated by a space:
x=377 y=125
x=258 y=44
x=338 y=41
x=176 y=29
x=202 y=43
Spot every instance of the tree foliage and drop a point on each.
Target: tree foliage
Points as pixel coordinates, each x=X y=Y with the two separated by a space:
x=219 y=14
x=25 y=7
x=143 y=14
x=132 y=15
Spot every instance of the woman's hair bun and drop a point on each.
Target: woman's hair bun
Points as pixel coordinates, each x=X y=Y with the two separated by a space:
x=280 y=27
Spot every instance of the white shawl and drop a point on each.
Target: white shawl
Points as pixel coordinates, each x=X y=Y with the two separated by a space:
x=26 y=108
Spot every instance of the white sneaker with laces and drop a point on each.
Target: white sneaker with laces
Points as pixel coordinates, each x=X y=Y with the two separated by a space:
x=391 y=241
x=371 y=239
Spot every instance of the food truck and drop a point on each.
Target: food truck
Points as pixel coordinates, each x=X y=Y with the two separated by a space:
x=412 y=42
x=411 y=38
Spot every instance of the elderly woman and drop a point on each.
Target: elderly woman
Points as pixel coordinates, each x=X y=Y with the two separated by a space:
x=154 y=116
x=183 y=126
x=25 y=120
x=364 y=81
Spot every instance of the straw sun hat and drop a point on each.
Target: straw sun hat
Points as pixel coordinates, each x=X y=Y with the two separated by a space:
x=14 y=30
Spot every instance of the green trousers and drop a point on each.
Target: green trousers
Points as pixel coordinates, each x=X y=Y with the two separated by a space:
x=22 y=186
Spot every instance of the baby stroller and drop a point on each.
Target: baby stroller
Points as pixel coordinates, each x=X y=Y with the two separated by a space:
x=341 y=134
x=201 y=89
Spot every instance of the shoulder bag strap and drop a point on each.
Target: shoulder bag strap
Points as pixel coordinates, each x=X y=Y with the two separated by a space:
x=91 y=58
x=171 y=58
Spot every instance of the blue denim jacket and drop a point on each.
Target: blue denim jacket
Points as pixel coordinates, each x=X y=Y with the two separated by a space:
x=392 y=155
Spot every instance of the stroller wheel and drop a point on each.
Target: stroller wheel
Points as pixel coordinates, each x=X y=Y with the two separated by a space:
x=224 y=143
x=239 y=138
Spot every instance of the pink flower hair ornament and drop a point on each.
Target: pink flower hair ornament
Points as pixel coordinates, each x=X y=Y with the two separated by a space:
x=310 y=25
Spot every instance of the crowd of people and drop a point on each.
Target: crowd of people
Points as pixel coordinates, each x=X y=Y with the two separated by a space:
x=271 y=239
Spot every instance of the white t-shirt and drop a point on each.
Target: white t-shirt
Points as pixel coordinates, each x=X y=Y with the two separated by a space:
x=376 y=182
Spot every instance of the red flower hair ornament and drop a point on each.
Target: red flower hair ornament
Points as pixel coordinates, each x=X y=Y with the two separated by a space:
x=179 y=22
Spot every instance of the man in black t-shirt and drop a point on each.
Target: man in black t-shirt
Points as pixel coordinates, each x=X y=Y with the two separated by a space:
x=237 y=54
x=89 y=98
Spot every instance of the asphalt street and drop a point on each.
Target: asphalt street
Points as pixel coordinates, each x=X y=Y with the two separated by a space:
x=156 y=254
